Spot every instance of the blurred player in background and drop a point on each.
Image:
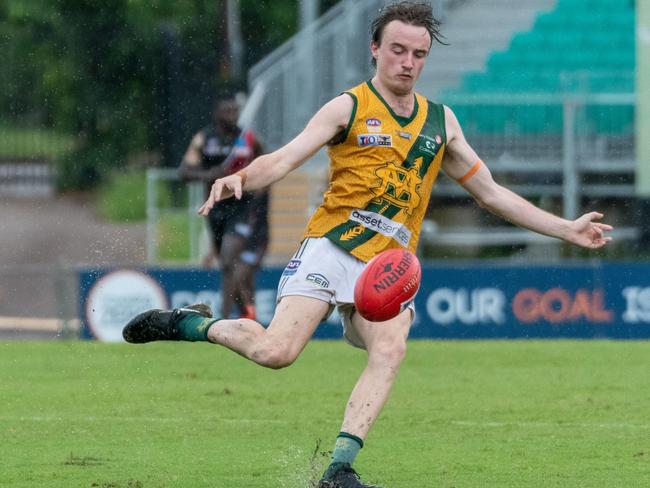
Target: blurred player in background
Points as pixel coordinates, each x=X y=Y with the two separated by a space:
x=386 y=146
x=220 y=149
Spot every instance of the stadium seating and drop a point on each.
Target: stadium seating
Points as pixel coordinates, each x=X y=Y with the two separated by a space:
x=580 y=47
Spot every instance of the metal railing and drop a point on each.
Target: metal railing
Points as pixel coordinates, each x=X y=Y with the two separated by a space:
x=585 y=149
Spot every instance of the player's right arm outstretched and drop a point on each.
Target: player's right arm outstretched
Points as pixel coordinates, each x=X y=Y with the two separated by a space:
x=265 y=170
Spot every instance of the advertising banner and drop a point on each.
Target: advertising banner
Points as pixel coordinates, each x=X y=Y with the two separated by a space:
x=472 y=300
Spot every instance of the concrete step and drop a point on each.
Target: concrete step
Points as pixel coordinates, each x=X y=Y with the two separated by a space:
x=288 y=215
x=286 y=220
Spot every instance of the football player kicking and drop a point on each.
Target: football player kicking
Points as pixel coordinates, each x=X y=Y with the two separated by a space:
x=386 y=146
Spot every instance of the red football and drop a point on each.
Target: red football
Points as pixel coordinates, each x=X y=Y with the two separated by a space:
x=387 y=285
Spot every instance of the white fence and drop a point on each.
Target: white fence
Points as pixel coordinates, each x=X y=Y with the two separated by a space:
x=26 y=180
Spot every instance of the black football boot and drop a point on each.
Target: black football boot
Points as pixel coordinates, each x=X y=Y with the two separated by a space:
x=160 y=325
x=344 y=477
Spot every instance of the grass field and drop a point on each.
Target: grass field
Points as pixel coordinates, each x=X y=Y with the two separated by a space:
x=463 y=414
x=16 y=142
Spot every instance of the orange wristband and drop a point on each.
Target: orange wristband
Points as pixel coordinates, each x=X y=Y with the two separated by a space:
x=243 y=175
x=472 y=171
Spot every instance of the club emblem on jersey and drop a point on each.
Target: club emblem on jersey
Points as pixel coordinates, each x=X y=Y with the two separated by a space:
x=399 y=185
x=373 y=125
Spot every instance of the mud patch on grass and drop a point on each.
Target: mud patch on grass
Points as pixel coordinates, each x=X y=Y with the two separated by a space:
x=316 y=464
x=110 y=484
x=74 y=460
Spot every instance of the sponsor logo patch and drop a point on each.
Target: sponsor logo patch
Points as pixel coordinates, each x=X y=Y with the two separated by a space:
x=429 y=144
x=365 y=140
x=291 y=268
x=318 y=279
x=383 y=225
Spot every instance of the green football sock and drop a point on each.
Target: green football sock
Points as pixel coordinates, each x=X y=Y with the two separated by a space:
x=345 y=451
x=194 y=327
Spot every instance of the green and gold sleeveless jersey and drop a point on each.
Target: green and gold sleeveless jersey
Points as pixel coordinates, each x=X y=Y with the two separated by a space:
x=381 y=175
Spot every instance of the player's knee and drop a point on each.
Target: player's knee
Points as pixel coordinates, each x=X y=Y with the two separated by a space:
x=389 y=352
x=274 y=356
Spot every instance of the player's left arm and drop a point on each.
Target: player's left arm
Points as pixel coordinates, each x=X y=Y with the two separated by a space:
x=463 y=165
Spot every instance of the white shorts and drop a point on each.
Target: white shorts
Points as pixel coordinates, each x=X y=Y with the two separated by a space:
x=320 y=269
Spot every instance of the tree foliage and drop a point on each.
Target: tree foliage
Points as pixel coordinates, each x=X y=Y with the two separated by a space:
x=122 y=75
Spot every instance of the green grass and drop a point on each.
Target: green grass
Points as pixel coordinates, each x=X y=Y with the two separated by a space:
x=173 y=235
x=16 y=142
x=463 y=414
x=123 y=197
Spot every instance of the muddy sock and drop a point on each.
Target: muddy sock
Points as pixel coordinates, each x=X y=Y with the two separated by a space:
x=345 y=452
x=194 y=327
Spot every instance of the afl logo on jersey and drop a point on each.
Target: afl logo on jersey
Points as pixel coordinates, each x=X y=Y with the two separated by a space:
x=373 y=125
x=365 y=140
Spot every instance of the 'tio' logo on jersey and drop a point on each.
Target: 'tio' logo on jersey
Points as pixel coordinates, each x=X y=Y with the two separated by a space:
x=399 y=186
x=365 y=140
